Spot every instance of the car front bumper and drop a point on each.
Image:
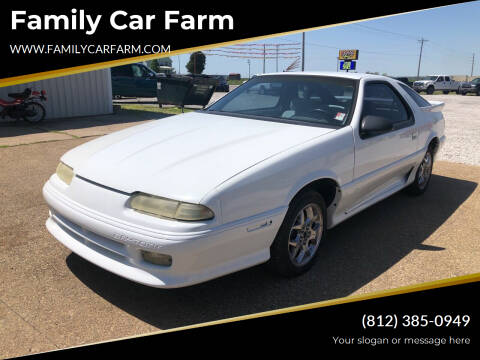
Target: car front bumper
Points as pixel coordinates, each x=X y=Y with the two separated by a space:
x=197 y=257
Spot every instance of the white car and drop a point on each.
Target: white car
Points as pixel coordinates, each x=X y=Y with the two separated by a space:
x=253 y=178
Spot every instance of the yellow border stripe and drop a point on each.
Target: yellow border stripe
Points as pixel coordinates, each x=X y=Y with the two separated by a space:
x=345 y=300
x=107 y=64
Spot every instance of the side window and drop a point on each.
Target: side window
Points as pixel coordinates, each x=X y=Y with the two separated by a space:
x=420 y=101
x=381 y=100
x=125 y=70
x=440 y=79
x=138 y=71
x=447 y=78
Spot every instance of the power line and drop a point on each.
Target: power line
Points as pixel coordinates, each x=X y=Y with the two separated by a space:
x=387 y=31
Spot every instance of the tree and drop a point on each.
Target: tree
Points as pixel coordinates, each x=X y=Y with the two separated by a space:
x=196 y=64
x=154 y=65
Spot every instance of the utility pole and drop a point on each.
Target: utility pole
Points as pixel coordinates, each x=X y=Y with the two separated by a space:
x=421 y=41
x=473 y=62
x=179 y=71
x=277 y=58
x=248 y=61
x=264 y=58
x=303 y=51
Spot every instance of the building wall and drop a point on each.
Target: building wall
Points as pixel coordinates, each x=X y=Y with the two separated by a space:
x=83 y=94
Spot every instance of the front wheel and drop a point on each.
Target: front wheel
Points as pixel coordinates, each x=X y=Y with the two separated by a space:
x=423 y=175
x=295 y=247
x=430 y=90
x=34 y=112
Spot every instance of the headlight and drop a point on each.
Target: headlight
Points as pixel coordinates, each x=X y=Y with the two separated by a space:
x=65 y=173
x=166 y=208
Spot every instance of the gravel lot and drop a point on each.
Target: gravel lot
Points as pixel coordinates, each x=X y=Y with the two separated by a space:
x=51 y=298
x=462 y=128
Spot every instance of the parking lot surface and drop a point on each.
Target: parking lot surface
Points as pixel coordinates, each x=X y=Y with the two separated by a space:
x=51 y=298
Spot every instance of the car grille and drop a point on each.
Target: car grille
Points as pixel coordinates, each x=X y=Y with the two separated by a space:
x=101 y=244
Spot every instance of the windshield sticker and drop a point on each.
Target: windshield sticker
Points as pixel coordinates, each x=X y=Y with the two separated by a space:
x=340 y=116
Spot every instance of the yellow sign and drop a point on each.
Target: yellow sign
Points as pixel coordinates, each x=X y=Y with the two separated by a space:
x=348 y=54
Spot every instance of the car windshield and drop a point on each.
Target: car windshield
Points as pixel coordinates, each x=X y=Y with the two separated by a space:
x=476 y=81
x=309 y=100
x=430 y=78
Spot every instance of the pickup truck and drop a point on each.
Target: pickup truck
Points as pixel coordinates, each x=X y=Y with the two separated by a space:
x=471 y=87
x=433 y=83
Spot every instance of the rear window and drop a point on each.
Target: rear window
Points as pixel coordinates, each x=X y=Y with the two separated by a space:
x=420 y=101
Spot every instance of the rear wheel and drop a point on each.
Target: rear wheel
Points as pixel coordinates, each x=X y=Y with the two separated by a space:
x=445 y=92
x=295 y=247
x=423 y=175
x=34 y=112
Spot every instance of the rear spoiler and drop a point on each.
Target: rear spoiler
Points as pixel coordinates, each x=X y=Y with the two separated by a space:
x=435 y=106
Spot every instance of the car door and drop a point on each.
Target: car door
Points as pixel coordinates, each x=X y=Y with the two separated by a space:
x=440 y=83
x=122 y=81
x=145 y=81
x=384 y=161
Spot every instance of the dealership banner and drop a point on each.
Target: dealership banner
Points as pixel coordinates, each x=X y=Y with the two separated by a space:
x=39 y=38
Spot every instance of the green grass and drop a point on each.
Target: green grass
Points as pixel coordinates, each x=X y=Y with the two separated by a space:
x=154 y=108
x=236 y=82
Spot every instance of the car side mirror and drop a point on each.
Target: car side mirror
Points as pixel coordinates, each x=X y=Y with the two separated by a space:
x=372 y=125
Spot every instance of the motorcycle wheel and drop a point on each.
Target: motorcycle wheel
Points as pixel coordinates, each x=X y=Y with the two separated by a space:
x=34 y=112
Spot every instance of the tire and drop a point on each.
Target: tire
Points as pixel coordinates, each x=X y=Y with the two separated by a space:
x=39 y=112
x=302 y=231
x=478 y=92
x=430 y=90
x=445 y=92
x=423 y=175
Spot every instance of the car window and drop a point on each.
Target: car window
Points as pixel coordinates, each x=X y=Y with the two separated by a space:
x=447 y=78
x=125 y=70
x=139 y=71
x=381 y=100
x=319 y=100
x=420 y=101
x=440 y=78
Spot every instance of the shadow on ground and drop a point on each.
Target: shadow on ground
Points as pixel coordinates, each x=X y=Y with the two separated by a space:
x=20 y=127
x=355 y=253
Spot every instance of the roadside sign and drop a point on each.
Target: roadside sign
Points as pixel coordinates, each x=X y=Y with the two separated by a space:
x=348 y=54
x=348 y=65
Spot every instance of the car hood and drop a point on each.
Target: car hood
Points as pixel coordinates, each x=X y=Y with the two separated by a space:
x=183 y=157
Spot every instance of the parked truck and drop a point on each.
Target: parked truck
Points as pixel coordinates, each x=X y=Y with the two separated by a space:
x=433 y=83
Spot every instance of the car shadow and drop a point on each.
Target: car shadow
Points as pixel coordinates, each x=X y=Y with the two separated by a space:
x=354 y=253
x=124 y=116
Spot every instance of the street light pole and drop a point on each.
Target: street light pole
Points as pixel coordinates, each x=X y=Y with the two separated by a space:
x=248 y=61
x=473 y=62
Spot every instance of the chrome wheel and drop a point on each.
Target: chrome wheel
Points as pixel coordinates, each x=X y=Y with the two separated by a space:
x=425 y=170
x=305 y=234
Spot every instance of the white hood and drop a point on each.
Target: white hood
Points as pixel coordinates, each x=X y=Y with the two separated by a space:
x=183 y=157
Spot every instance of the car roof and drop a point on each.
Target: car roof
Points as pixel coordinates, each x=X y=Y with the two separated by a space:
x=345 y=75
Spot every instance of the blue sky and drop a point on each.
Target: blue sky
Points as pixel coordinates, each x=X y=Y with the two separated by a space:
x=452 y=31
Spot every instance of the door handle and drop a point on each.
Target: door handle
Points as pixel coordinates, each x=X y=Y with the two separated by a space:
x=414 y=135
